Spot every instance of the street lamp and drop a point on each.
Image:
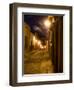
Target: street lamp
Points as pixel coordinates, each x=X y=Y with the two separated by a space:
x=47 y=23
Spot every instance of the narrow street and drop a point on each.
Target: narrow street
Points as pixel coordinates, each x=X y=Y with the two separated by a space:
x=37 y=61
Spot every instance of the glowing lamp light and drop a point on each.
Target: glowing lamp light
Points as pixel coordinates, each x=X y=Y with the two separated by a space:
x=39 y=42
x=34 y=40
x=41 y=47
x=47 y=23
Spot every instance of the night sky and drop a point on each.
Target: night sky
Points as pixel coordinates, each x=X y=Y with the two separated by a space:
x=36 y=24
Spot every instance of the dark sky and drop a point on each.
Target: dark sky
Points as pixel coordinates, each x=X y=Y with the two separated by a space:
x=36 y=24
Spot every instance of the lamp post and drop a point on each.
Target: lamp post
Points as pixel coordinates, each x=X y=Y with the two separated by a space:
x=48 y=22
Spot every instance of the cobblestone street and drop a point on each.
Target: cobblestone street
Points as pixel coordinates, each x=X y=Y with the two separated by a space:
x=37 y=61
